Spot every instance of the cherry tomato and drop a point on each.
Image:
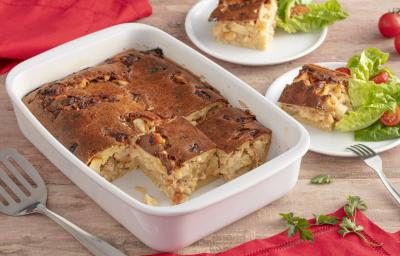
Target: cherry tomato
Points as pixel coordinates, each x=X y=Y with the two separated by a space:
x=397 y=43
x=344 y=70
x=390 y=118
x=299 y=10
x=381 y=78
x=389 y=23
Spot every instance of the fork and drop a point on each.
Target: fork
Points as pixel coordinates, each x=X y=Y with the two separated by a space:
x=375 y=162
x=22 y=198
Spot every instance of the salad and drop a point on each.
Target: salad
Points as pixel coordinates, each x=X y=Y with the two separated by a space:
x=304 y=16
x=374 y=92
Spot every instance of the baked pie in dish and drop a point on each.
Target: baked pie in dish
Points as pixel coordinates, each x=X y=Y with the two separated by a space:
x=139 y=110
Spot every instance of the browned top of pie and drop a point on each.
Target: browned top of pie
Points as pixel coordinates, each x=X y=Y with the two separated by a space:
x=166 y=89
x=237 y=10
x=308 y=88
x=88 y=121
x=318 y=73
x=175 y=142
x=231 y=127
x=93 y=109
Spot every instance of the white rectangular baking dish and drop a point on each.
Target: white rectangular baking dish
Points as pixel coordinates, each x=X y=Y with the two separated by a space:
x=164 y=228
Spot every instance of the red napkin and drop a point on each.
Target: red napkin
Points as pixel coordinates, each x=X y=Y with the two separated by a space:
x=327 y=242
x=29 y=27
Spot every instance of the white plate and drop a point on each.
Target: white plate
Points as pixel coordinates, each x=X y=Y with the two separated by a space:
x=285 y=47
x=327 y=143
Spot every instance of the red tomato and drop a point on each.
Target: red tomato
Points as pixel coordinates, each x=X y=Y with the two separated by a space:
x=391 y=119
x=397 y=43
x=380 y=78
x=343 y=70
x=389 y=23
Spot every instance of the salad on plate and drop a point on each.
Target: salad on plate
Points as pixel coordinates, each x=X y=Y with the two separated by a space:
x=374 y=92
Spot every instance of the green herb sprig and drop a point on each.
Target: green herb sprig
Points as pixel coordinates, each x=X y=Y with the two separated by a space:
x=298 y=224
x=348 y=224
x=321 y=179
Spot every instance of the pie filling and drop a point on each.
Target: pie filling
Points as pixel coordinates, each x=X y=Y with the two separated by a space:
x=256 y=34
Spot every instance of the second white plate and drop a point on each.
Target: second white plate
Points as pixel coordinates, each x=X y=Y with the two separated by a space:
x=328 y=143
x=285 y=47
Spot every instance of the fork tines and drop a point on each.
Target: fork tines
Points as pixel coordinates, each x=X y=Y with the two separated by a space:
x=362 y=151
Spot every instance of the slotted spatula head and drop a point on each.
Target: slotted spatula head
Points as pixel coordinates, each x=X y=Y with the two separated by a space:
x=17 y=197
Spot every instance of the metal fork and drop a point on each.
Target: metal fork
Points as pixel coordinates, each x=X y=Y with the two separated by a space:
x=375 y=162
x=22 y=198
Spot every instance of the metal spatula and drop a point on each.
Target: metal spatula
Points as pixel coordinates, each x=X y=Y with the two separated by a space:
x=25 y=194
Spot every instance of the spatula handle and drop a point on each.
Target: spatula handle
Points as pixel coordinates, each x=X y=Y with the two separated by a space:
x=94 y=244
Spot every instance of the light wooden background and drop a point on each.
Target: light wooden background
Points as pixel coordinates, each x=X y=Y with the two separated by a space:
x=37 y=235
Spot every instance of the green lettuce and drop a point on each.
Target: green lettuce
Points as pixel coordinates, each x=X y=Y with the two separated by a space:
x=362 y=117
x=364 y=93
x=377 y=132
x=368 y=64
x=319 y=16
x=369 y=100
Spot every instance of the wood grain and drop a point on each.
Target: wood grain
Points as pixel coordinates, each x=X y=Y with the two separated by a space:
x=38 y=236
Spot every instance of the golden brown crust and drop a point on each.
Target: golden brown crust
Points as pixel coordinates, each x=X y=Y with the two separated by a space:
x=230 y=127
x=301 y=94
x=319 y=73
x=237 y=10
x=307 y=88
x=88 y=109
x=175 y=142
x=167 y=89
x=91 y=129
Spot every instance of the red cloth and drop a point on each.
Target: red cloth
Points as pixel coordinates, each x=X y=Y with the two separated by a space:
x=29 y=27
x=327 y=242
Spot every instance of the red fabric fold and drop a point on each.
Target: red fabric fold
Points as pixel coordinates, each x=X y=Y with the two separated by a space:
x=327 y=241
x=29 y=27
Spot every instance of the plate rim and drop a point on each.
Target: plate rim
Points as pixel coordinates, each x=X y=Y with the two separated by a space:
x=191 y=35
x=275 y=84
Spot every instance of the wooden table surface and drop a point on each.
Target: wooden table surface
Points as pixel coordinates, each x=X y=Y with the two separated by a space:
x=37 y=235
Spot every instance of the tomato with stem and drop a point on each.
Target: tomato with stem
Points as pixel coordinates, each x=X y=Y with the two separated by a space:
x=389 y=23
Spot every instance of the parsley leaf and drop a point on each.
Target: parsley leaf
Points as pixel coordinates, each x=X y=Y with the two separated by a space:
x=325 y=219
x=297 y=224
x=354 y=203
x=349 y=226
x=321 y=179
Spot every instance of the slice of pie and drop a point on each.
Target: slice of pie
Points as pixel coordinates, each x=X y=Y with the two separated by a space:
x=242 y=142
x=176 y=156
x=246 y=23
x=318 y=96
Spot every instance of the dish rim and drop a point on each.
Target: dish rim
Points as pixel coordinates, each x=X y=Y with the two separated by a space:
x=62 y=51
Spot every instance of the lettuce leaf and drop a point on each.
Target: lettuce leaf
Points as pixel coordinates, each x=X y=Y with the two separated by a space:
x=367 y=92
x=362 y=117
x=368 y=64
x=319 y=16
x=369 y=102
x=377 y=132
